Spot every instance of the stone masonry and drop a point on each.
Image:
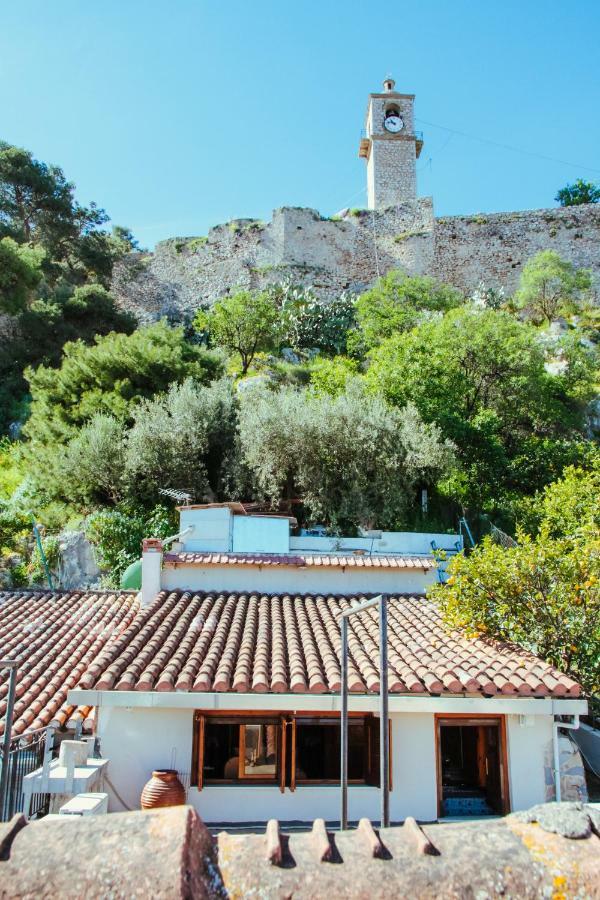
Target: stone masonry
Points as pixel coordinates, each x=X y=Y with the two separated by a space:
x=391 y=158
x=391 y=172
x=349 y=252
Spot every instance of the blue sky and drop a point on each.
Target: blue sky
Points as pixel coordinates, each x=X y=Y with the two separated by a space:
x=175 y=116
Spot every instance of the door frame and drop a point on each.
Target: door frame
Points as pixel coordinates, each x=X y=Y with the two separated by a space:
x=441 y=719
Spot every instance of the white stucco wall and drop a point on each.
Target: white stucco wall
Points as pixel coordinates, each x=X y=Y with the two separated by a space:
x=136 y=741
x=271 y=580
x=528 y=744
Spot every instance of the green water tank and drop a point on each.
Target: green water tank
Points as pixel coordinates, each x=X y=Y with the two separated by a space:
x=131 y=579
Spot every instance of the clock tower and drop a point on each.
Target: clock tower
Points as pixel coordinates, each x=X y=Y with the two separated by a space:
x=391 y=147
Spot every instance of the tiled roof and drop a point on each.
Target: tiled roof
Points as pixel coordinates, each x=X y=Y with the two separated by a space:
x=54 y=636
x=213 y=641
x=355 y=561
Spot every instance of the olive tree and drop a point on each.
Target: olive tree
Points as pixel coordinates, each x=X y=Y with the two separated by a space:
x=351 y=459
x=184 y=439
x=90 y=467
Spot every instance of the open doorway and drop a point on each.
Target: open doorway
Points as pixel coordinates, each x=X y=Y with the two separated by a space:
x=472 y=778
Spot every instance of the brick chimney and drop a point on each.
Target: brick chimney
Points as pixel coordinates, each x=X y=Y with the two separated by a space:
x=152 y=554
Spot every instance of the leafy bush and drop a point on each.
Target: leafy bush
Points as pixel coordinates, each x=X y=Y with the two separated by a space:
x=36 y=571
x=480 y=375
x=552 y=287
x=42 y=329
x=330 y=376
x=568 y=503
x=12 y=468
x=118 y=534
x=544 y=593
x=579 y=192
x=14 y=525
x=112 y=376
x=399 y=302
x=19 y=274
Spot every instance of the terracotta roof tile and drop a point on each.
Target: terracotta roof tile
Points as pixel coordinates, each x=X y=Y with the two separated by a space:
x=55 y=636
x=276 y=643
x=172 y=560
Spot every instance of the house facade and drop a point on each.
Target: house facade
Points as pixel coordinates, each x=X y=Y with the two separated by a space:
x=230 y=674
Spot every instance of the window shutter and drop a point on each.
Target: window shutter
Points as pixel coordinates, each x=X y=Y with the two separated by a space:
x=293 y=755
x=282 y=754
x=373 y=750
x=197 y=779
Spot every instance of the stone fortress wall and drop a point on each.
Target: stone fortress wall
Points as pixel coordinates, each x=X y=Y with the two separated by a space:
x=350 y=251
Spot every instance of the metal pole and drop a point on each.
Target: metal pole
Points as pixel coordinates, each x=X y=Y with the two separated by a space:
x=384 y=733
x=344 y=616
x=344 y=727
x=11 y=665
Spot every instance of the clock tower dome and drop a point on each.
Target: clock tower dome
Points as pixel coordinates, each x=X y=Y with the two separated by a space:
x=391 y=147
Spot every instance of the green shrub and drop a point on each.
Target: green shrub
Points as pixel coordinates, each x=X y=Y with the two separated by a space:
x=111 y=377
x=36 y=572
x=117 y=535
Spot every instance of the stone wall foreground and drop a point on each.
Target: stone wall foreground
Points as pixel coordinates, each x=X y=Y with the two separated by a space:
x=549 y=851
x=349 y=252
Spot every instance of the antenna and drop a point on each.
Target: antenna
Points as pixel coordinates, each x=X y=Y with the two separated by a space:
x=180 y=496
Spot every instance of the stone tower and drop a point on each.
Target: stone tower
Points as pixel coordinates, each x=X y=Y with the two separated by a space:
x=390 y=147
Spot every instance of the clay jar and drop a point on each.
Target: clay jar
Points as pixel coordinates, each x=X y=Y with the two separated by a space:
x=163 y=789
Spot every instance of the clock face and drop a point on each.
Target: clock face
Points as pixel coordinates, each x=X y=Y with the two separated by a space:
x=393 y=123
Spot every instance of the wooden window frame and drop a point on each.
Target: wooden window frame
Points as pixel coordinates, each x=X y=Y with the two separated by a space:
x=309 y=718
x=239 y=719
x=460 y=719
x=286 y=723
x=245 y=776
x=197 y=773
x=330 y=720
x=282 y=768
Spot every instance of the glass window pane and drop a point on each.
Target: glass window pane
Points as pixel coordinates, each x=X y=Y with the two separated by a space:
x=260 y=750
x=221 y=751
x=318 y=751
x=225 y=741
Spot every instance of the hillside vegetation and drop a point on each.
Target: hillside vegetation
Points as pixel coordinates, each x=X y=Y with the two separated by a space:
x=344 y=413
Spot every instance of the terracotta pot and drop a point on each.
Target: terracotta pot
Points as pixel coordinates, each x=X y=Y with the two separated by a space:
x=163 y=789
